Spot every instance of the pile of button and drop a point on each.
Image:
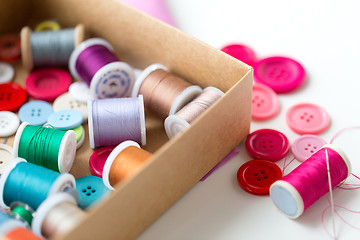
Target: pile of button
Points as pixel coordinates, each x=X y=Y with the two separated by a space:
x=273 y=76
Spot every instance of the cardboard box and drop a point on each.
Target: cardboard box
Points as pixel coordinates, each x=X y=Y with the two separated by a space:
x=177 y=164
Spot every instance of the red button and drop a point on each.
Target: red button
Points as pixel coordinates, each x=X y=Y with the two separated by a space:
x=98 y=158
x=12 y=97
x=280 y=73
x=267 y=144
x=265 y=102
x=241 y=52
x=47 y=83
x=10 y=48
x=256 y=176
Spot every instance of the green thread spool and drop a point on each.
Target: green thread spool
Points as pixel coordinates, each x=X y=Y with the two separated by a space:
x=47 y=147
x=31 y=184
x=22 y=212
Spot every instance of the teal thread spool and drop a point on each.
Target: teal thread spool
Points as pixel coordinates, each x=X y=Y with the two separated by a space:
x=47 y=147
x=49 y=48
x=31 y=184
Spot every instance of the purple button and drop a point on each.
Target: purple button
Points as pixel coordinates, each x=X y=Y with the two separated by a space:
x=241 y=52
x=305 y=146
x=267 y=144
x=98 y=158
x=279 y=73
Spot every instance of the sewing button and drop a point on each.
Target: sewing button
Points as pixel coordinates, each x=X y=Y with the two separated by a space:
x=47 y=83
x=10 y=48
x=80 y=91
x=6 y=155
x=91 y=190
x=267 y=144
x=256 y=176
x=35 y=112
x=6 y=72
x=265 y=103
x=12 y=96
x=66 y=101
x=65 y=119
x=9 y=122
x=307 y=118
x=305 y=146
x=241 y=52
x=98 y=158
x=279 y=73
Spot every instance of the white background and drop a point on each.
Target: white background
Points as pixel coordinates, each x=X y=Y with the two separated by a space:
x=325 y=37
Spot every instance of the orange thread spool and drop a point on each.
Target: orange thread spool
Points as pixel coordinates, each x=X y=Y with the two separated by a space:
x=20 y=234
x=164 y=93
x=123 y=162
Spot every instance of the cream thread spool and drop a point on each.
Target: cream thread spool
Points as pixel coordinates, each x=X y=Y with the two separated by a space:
x=178 y=122
x=56 y=215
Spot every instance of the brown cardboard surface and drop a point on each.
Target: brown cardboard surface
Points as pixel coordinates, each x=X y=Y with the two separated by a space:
x=177 y=164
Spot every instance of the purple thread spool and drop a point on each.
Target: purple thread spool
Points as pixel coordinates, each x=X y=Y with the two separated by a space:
x=94 y=62
x=112 y=121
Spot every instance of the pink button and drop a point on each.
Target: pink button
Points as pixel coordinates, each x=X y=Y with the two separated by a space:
x=267 y=144
x=280 y=73
x=307 y=118
x=98 y=158
x=47 y=83
x=241 y=52
x=305 y=146
x=265 y=102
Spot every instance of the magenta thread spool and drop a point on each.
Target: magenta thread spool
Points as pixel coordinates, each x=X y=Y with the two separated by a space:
x=182 y=119
x=115 y=120
x=94 y=62
x=298 y=190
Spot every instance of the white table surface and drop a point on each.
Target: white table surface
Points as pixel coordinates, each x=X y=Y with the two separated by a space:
x=325 y=37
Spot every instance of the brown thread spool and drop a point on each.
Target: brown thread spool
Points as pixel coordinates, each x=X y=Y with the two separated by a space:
x=164 y=93
x=57 y=215
x=181 y=120
x=123 y=162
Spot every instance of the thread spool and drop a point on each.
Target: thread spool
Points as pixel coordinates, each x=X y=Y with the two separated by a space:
x=112 y=121
x=94 y=62
x=49 y=48
x=298 y=190
x=123 y=162
x=47 y=147
x=13 y=229
x=22 y=212
x=182 y=119
x=31 y=184
x=56 y=215
x=164 y=93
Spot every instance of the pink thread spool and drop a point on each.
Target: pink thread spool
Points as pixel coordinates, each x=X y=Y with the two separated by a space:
x=95 y=62
x=297 y=191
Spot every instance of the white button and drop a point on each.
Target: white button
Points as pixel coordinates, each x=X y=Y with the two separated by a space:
x=6 y=155
x=9 y=122
x=80 y=91
x=66 y=101
x=6 y=72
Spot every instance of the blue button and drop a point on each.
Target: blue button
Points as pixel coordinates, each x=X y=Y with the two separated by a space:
x=35 y=112
x=91 y=190
x=65 y=119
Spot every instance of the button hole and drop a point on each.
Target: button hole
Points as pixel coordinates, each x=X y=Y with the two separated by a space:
x=258 y=179
x=84 y=190
x=262 y=172
x=265 y=177
x=88 y=187
x=255 y=174
x=88 y=194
